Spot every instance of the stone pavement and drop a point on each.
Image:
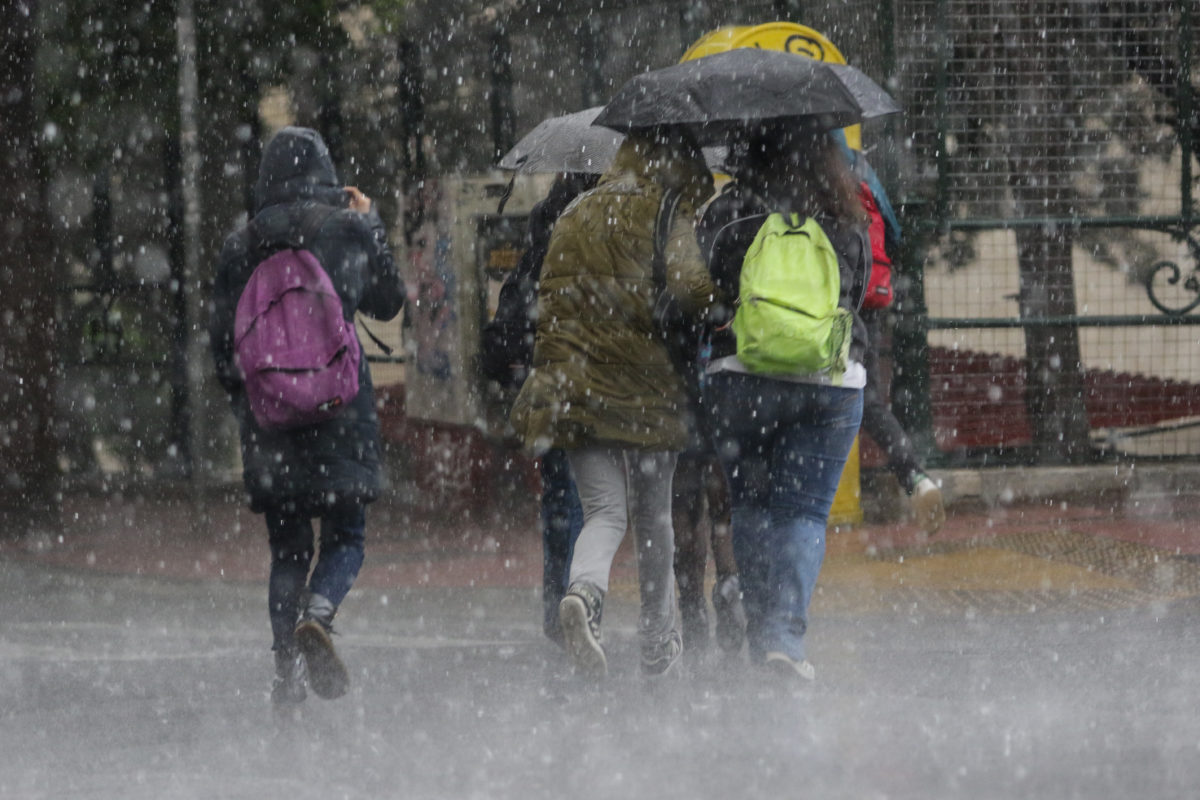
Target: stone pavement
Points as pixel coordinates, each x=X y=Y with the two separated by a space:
x=1037 y=648
x=1089 y=536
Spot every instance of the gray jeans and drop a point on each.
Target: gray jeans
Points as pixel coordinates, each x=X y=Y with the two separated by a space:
x=618 y=487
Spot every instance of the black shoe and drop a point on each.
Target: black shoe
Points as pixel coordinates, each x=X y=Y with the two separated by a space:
x=326 y=673
x=661 y=659
x=579 y=615
x=288 y=686
x=731 y=617
x=551 y=598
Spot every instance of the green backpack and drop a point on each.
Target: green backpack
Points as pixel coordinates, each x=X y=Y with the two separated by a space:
x=788 y=321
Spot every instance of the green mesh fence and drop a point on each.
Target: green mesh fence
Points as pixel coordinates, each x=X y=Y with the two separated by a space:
x=1050 y=146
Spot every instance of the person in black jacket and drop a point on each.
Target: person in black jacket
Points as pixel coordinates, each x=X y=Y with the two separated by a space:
x=507 y=355
x=330 y=470
x=783 y=439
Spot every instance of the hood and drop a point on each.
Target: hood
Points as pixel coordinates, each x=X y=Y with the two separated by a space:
x=675 y=164
x=296 y=166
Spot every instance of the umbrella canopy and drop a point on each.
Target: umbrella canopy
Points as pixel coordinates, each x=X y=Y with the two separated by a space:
x=730 y=90
x=571 y=143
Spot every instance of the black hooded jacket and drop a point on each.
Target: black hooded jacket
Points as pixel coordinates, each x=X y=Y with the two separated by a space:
x=336 y=460
x=507 y=341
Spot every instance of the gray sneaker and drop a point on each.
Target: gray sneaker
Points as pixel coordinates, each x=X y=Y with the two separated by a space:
x=579 y=615
x=662 y=658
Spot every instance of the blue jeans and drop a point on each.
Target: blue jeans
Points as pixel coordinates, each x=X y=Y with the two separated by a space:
x=783 y=446
x=562 y=519
x=290 y=534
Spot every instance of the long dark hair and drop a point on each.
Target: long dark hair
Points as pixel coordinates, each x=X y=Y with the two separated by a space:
x=799 y=170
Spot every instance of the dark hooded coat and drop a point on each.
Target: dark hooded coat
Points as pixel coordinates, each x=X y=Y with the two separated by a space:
x=337 y=460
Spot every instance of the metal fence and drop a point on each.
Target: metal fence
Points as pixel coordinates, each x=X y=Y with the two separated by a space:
x=1049 y=173
x=1044 y=169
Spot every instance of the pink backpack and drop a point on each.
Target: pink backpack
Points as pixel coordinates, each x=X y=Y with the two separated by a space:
x=297 y=354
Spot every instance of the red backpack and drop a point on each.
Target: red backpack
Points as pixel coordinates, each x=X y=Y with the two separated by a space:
x=879 y=286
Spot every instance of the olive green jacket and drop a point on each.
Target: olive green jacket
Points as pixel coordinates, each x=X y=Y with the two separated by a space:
x=601 y=375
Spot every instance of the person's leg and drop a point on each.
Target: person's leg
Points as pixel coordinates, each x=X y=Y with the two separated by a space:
x=343 y=532
x=691 y=547
x=727 y=589
x=649 y=476
x=877 y=419
x=562 y=518
x=882 y=426
x=817 y=429
x=716 y=490
x=290 y=535
x=600 y=479
x=341 y=556
x=743 y=442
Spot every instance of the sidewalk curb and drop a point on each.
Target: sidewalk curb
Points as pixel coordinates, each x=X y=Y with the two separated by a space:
x=998 y=486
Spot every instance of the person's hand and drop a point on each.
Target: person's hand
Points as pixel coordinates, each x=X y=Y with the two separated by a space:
x=358 y=201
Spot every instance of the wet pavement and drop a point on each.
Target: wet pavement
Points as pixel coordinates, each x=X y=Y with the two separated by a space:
x=1037 y=650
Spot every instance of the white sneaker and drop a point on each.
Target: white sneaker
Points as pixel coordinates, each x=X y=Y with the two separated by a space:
x=927 y=505
x=787 y=667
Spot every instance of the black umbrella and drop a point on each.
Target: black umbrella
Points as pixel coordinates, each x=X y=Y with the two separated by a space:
x=571 y=143
x=730 y=90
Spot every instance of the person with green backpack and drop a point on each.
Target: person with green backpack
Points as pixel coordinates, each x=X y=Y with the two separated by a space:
x=784 y=391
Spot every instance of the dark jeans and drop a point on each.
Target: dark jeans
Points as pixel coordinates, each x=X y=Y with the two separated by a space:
x=562 y=519
x=878 y=420
x=341 y=556
x=783 y=446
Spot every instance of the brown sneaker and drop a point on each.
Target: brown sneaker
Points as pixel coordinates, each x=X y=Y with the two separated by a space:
x=327 y=675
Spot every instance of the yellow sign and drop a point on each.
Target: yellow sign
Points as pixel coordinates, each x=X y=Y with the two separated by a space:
x=787 y=37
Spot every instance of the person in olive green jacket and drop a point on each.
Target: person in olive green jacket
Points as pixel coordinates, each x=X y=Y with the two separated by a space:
x=603 y=386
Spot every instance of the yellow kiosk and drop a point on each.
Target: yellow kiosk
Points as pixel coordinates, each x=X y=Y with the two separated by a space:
x=790 y=37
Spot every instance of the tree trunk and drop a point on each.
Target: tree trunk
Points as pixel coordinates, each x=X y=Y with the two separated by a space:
x=1054 y=369
x=196 y=430
x=1040 y=166
x=29 y=477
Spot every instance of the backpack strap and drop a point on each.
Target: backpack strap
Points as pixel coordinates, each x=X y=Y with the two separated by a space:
x=387 y=349
x=662 y=232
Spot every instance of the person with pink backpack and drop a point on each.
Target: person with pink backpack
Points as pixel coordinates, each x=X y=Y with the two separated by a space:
x=287 y=287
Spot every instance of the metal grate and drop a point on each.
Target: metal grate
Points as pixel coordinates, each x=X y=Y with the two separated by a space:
x=1052 y=141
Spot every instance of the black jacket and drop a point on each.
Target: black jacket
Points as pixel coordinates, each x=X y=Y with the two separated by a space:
x=507 y=341
x=336 y=460
x=727 y=230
